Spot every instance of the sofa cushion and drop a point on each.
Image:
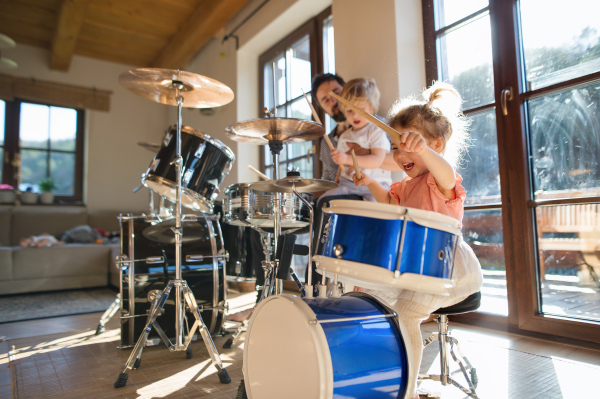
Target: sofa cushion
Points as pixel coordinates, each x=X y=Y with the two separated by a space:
x=58 y=261
x=28 y=222
x=6 y=273
x=5 y=226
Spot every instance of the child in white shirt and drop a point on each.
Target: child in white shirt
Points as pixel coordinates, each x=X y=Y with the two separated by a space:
x=363 y=93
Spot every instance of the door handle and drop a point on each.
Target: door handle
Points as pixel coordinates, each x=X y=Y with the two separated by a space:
x=506 y=95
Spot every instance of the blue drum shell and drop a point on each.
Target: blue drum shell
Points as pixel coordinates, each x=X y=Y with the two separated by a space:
x=376 y=242
x=368 y=357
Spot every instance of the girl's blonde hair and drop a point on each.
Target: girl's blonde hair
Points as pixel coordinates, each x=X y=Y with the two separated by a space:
x=361 y=89
x=439 y=115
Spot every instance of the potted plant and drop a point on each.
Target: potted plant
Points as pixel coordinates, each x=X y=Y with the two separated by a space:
x=7 y=194
x=46 y=186
x=29 y=196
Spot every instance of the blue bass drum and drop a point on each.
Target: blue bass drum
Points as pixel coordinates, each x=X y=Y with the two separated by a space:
x=326 y=348
x=379 y=246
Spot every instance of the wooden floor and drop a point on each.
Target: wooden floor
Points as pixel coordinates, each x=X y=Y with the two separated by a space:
x=62 y=358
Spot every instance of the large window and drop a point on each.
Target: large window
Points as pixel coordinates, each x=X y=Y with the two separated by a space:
x=286 y=70
x=529 y=74
x=40 y=141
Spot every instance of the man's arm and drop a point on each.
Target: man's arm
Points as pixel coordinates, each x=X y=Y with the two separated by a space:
x=372 y=161
x=390 y=164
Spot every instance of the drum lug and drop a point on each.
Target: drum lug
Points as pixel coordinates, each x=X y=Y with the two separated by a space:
x=338 y=250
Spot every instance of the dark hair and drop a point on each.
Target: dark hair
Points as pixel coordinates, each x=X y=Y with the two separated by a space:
x=322 y=78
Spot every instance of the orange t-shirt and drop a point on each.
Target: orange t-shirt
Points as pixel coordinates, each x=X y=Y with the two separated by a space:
x=423 y=193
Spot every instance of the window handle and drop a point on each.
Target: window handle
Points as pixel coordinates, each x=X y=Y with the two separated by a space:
x=506 y=95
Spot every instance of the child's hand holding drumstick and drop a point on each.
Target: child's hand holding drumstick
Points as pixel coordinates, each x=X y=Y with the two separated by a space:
x=359 y=178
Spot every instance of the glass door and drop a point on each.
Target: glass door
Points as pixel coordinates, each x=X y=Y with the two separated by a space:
x=462 y=48
x=550 y=89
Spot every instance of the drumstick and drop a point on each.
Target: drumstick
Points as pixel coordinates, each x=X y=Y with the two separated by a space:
x=318 y=120
x=389 y=130
x=356 y=170
x=258 y=172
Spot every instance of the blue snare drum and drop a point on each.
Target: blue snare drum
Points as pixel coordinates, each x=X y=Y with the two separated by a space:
x=376 y=246
x=326 y=348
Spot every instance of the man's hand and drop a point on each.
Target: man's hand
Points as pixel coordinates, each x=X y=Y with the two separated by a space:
x=358 y=150
x=340 y=158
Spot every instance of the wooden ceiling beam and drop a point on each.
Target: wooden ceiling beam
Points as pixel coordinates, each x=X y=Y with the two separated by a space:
x=70 y=21
x=206 y=20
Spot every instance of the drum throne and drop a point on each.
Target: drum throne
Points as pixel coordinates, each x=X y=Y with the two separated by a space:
x=447 y=344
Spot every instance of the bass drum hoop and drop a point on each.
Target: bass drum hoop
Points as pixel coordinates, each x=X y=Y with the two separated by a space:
x=190 y=199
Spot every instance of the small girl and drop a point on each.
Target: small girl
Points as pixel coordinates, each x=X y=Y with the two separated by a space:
x=363 y=93
x=429 y=129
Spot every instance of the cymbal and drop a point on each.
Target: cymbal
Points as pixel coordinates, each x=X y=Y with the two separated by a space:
x=149 y=146
x=157 y=85
x=288 y=130
x=285 y=185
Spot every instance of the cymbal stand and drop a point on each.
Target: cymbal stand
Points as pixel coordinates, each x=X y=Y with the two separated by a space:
x=273 y=285
x=182 y=290
x=308 y=288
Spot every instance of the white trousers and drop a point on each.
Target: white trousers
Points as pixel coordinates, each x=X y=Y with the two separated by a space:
x=414 y=307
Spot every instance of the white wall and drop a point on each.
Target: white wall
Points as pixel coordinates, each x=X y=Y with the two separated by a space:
x=114 y=163
x=216 y=61
x=382 y=40
x=365 y=45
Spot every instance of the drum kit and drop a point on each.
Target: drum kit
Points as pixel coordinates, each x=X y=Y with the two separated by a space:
x=347 y=345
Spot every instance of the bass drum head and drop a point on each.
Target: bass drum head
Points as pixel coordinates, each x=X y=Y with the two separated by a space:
x=283 y=347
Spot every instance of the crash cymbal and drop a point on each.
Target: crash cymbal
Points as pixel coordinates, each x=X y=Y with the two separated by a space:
x=285 y=185
x=149 y=146
x=157 y=85
x=287 y=130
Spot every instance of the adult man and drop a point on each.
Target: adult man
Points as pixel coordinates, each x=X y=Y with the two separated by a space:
x=321 y=86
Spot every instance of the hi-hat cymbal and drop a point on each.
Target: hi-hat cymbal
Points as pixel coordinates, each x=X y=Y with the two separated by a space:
x=287 y=130
x=149 y=146
x=157 y=85
x=286 y=184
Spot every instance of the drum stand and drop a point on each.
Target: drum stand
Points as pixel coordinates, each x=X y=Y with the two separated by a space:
x=274 y=285
x=181 y=289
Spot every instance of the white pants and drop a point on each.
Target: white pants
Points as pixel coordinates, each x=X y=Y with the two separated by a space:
x=414 y=307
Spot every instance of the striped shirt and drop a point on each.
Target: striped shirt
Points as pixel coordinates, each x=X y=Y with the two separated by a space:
x=330 y=168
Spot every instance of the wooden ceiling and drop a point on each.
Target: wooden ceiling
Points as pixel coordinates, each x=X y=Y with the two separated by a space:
x=145 y=33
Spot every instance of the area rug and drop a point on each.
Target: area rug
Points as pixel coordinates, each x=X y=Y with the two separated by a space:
x=51 y=304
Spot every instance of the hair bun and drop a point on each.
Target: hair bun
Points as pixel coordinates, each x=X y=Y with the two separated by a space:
x=445 y=97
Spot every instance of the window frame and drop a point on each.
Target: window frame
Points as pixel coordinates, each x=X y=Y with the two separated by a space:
x=11 y=137
x=518 y=202
x=314 y=29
